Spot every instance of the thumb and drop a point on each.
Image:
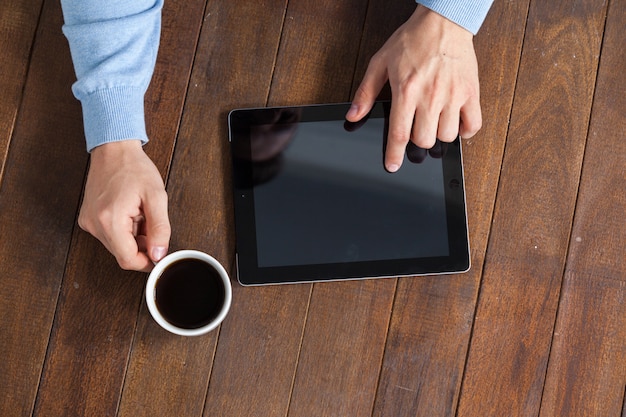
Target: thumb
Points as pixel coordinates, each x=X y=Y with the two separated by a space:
x=373 y=81
x=157 y=226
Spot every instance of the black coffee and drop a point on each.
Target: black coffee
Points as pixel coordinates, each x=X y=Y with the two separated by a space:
x=189 y=293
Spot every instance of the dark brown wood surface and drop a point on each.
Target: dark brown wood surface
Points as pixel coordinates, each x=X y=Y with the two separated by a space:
x=536 y=328
x=18 y=20
x=532 y=221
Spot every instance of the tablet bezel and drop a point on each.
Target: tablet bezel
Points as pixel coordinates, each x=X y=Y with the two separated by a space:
x=248 y=271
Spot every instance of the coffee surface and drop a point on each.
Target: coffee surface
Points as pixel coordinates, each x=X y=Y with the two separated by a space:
x=189 y=293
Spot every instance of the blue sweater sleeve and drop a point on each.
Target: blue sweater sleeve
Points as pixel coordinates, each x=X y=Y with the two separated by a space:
x=465 y=13
x=114 y=45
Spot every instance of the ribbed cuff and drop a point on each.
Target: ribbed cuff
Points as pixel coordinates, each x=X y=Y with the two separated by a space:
x=467 y=14
x=114 y=114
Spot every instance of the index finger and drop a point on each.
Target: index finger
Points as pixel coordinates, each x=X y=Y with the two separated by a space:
x=401 y=119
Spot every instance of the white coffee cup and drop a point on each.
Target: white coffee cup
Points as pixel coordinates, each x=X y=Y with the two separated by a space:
x=188 y=293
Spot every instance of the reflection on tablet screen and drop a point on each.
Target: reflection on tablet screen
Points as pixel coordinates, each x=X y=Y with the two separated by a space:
x=328 y=199
x=313 y=200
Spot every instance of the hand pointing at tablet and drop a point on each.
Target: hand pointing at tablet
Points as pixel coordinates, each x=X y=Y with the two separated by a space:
x=431 y=67
x=429 y=62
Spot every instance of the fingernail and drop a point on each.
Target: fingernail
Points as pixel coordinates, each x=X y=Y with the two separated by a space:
x=393 y=167
x=354 y=110
x=158 y=252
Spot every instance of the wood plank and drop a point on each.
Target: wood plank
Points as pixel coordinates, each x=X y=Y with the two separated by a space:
x=337 y=370
x=258 y=351
x=97 y=312
x=38 y=201
x=380 y=23
x=587 y=368
x=329 y=33
x=297 y=80
x=342 y=348
x=258 y=362
x=18 y=22
x=432 y=317
x=233 y=68
x=534 y=210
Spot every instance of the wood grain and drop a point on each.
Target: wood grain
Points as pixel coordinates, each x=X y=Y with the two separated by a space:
x=233 y=67
x=18 y=22
x=318 y=52
x=535 y=328
x=316 y=76
x=534 y=209
x=342 y=348
x=432 y=317
x=258 y=350
x=337 y=370
x=96 y=316
x=38 y=201
x=587 y=369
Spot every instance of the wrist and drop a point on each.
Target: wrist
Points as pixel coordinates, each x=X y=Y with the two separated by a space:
x=467 y=14
x=428 y=17
x=116 y=150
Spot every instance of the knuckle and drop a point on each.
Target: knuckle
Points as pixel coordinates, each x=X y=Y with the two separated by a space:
x=424 y=142
x=397 y=137
x=104 y=217
x=162 y=194
x=162 y=229
x=376 y=60
x=471 y=127
x=409 y=86
x=477 y=125
x=447 y=135
x=472 y=91
x=159 y=197
x=362 y=93
x=126 y=263
x=83 y=223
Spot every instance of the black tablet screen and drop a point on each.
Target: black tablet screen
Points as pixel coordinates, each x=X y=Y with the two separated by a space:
x=332 y=201
x=313 y=200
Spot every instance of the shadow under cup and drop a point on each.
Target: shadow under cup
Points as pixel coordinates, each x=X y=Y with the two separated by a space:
x=188 y=293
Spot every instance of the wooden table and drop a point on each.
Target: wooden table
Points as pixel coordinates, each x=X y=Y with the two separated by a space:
x=536 y=328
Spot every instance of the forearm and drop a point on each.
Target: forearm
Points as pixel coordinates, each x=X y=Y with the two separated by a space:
x=114 y=45
x=467 y=14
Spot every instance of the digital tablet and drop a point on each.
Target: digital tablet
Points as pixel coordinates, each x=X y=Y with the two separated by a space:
x=313 y=201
